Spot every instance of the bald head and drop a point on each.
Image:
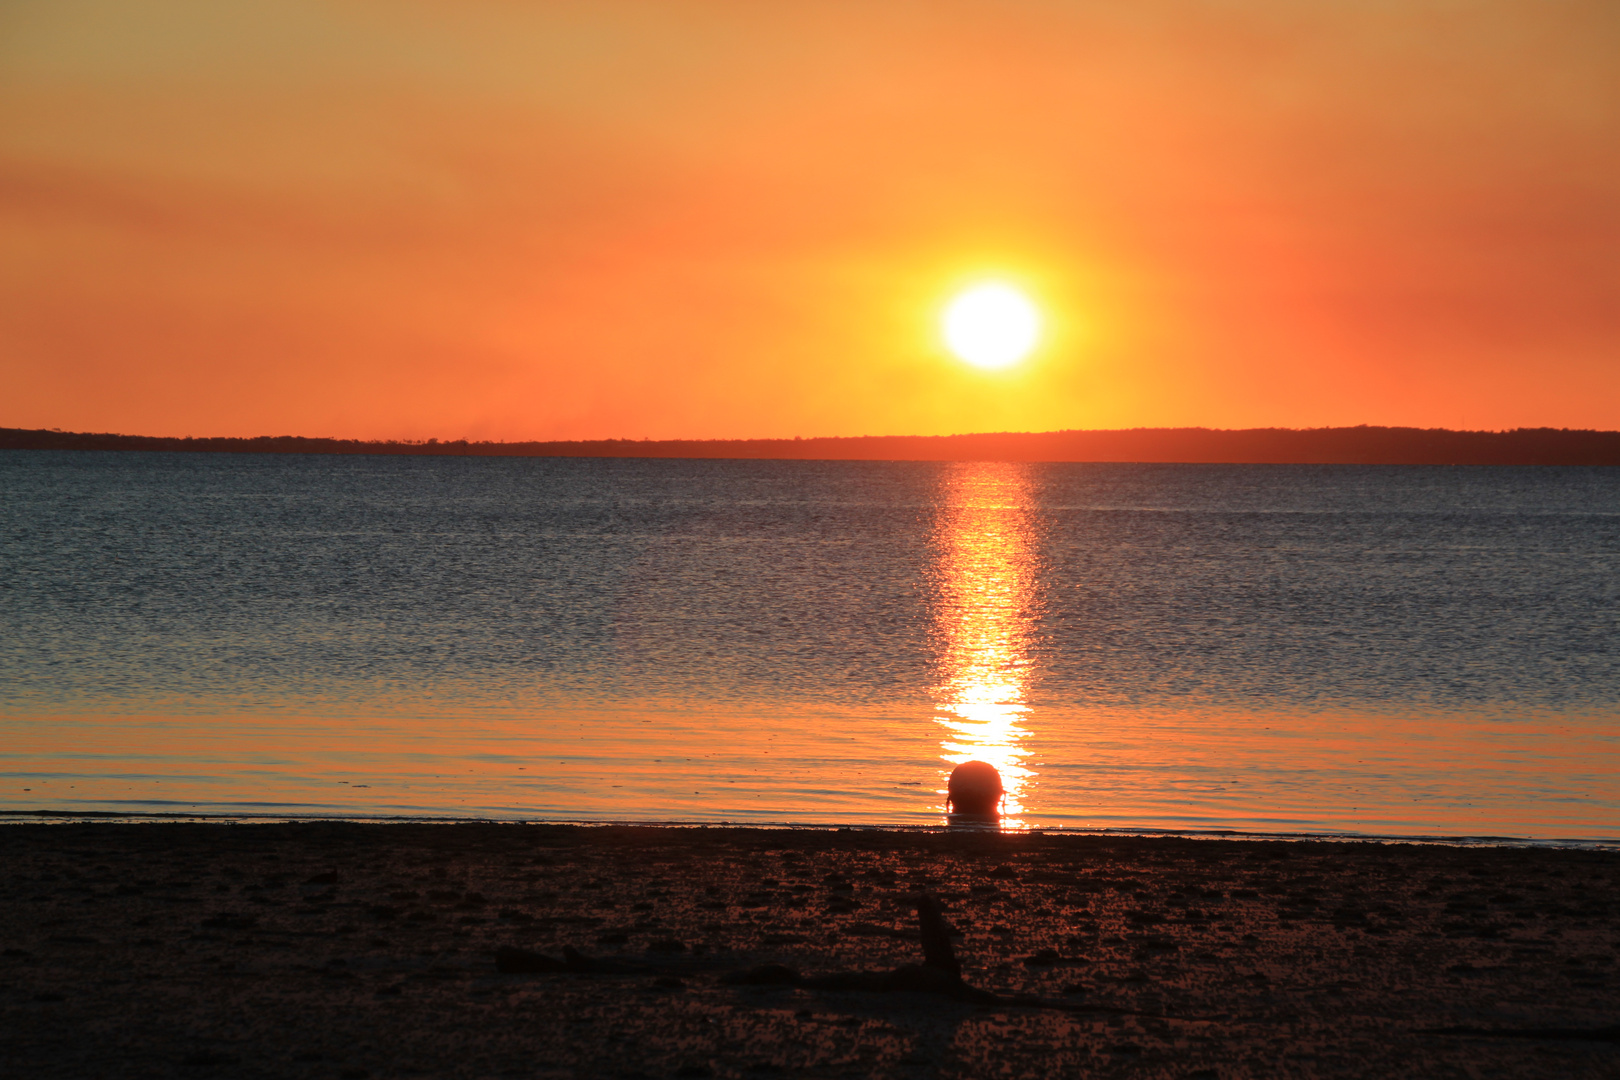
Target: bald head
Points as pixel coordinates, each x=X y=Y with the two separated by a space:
x=974 y=788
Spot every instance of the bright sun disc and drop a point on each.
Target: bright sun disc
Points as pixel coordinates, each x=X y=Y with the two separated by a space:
x=991 y=326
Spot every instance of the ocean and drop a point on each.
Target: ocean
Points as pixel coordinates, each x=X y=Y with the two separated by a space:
x=1343 y=650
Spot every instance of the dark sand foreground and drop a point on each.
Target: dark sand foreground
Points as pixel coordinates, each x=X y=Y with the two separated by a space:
x=346 y=950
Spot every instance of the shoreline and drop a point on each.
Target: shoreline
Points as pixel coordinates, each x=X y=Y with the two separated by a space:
x=1360 y=445
x=113 y=817
x=334 y=948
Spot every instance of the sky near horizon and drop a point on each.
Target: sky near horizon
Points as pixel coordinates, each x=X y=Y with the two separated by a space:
x=712 y=219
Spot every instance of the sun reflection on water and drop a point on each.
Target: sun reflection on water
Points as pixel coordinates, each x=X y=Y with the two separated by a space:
x=982 y=607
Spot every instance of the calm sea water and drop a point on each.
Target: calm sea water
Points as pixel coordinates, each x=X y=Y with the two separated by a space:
x=1388 y=650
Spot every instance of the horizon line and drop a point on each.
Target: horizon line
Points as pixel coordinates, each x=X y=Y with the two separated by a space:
x=1362 y=444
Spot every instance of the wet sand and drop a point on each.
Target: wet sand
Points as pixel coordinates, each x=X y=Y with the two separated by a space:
x=350 y=950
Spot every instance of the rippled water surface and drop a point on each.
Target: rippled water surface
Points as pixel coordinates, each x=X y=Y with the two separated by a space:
x=1295 y=648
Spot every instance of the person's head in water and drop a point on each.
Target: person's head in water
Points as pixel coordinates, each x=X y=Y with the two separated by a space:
x=974 y=788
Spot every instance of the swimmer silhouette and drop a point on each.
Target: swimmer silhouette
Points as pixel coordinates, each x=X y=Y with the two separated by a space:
x=974 y=788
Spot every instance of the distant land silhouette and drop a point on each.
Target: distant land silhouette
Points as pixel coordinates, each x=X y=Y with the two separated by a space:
x=1307 y=446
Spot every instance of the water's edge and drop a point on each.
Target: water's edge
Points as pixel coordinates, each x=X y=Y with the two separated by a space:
x=80 y=817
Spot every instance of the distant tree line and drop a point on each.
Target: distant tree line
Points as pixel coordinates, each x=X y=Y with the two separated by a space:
x=1321 y=446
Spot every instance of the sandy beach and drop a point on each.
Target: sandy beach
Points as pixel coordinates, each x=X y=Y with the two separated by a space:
x=356 y=950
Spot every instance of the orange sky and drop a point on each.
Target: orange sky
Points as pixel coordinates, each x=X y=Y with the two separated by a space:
x=729 y=219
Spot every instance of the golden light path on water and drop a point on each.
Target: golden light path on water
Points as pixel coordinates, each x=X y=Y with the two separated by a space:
x=984 y=584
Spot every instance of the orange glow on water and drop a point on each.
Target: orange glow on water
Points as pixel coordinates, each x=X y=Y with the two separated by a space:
x=985 y=579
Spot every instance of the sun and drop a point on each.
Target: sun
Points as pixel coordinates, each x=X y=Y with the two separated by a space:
x=991 y=325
